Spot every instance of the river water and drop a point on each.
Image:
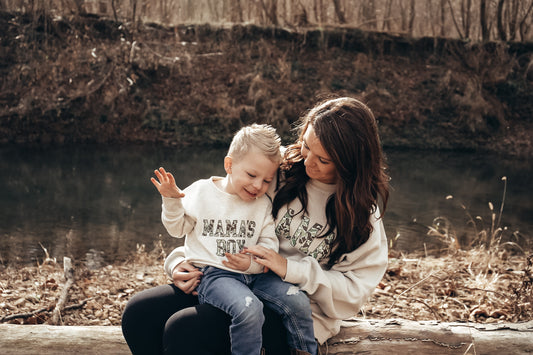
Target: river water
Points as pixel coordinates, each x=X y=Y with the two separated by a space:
x=96 y=204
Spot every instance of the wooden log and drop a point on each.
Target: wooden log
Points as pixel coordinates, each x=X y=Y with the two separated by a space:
x=357 y=336
x=409 y=337
x=50 y=339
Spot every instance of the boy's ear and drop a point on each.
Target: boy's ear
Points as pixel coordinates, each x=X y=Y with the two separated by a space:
x=228 y=161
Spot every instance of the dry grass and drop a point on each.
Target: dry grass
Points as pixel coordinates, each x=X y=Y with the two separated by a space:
x=474 y=285
x=486 y=277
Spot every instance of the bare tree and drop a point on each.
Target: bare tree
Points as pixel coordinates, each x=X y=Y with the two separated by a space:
x=339 y=11
x=270 y=9
x=133 y=5
x=320 y=10
x=500 y=20
x=114 y=7
x=387 y=17
x=524 y=26
x=483 y=20
x=456 y=24
x=512 y=18
x=412 y=14
x=442 y=18
x=213 y=10
x=80 y=8
x=368 y=12
x=466 y=16
x=403 y=16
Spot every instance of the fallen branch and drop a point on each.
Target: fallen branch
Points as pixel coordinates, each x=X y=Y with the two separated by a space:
x=42 y=310
x=25 y=315
x=69 y=276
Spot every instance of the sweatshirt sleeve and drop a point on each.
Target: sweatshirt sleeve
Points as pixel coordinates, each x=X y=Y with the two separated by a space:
x=267 y=238
x=173 y=259
x=174 y=218
x=341 y=291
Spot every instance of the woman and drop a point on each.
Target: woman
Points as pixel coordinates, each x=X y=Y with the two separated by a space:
x=332 y=241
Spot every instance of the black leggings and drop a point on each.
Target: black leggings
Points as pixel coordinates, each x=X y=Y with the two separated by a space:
x=164 y=320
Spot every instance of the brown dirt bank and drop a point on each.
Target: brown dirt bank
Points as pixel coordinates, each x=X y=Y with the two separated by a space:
x=87 y=79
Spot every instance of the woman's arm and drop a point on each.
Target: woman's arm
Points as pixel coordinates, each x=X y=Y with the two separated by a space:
x=184 y=275
x=341 y=291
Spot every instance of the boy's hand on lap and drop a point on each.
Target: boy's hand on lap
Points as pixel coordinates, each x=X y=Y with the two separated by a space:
x=239 y=261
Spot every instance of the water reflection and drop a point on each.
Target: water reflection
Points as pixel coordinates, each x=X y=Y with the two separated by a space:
x=422 y=181
x=82 y=198
x=96 y=203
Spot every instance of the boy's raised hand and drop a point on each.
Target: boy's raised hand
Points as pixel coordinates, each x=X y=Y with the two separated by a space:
x=165 y=184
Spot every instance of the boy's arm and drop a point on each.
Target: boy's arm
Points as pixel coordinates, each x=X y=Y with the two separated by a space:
x=173 y=216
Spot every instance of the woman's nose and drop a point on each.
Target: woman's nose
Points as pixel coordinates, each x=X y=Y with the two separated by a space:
x=308 y=159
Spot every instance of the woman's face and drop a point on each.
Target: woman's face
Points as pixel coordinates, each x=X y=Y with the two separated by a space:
x=318 y=164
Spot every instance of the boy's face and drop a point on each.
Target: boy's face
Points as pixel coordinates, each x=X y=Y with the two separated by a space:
x=250 y=176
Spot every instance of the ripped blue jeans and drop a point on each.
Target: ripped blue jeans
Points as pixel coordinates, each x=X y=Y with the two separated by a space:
x=242 y=297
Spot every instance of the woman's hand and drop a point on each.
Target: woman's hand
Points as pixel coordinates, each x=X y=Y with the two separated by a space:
x=186 y=277
x=268 y=258
x=165 y=184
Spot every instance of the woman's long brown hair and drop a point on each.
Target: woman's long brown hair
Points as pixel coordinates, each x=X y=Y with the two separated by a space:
x=348 y=131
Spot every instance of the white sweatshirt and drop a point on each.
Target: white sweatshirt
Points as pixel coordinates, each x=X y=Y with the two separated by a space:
x=335 y=294
x=215 y=222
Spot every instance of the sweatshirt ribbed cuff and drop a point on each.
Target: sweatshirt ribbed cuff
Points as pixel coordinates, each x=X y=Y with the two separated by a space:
x=294 y=272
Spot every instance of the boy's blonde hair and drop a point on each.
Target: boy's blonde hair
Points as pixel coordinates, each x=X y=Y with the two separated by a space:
x=260 y=136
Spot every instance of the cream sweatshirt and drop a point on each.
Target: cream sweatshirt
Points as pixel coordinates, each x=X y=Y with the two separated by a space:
x=215 y=222
x=337 y=293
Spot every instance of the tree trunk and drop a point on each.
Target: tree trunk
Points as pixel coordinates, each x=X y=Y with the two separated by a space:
x=443 y=18
x=411 y=17
x=357 y=336
x=524 y=27
x=501 y=21
x=339 y=12
x=483 y=21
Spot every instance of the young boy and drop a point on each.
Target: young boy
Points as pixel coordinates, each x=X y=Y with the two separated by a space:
x=220 y=217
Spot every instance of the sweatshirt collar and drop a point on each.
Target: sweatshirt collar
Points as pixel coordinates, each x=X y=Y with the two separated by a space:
x=329 y=188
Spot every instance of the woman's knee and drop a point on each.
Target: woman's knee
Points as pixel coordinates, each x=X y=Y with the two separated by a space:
x=197 y=330
x=298 y=304
x=137 y=306
x=157 y=303
x=251 y=313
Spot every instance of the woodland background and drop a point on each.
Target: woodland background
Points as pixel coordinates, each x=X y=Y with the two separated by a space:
x=438 y=74
x=506 y=20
